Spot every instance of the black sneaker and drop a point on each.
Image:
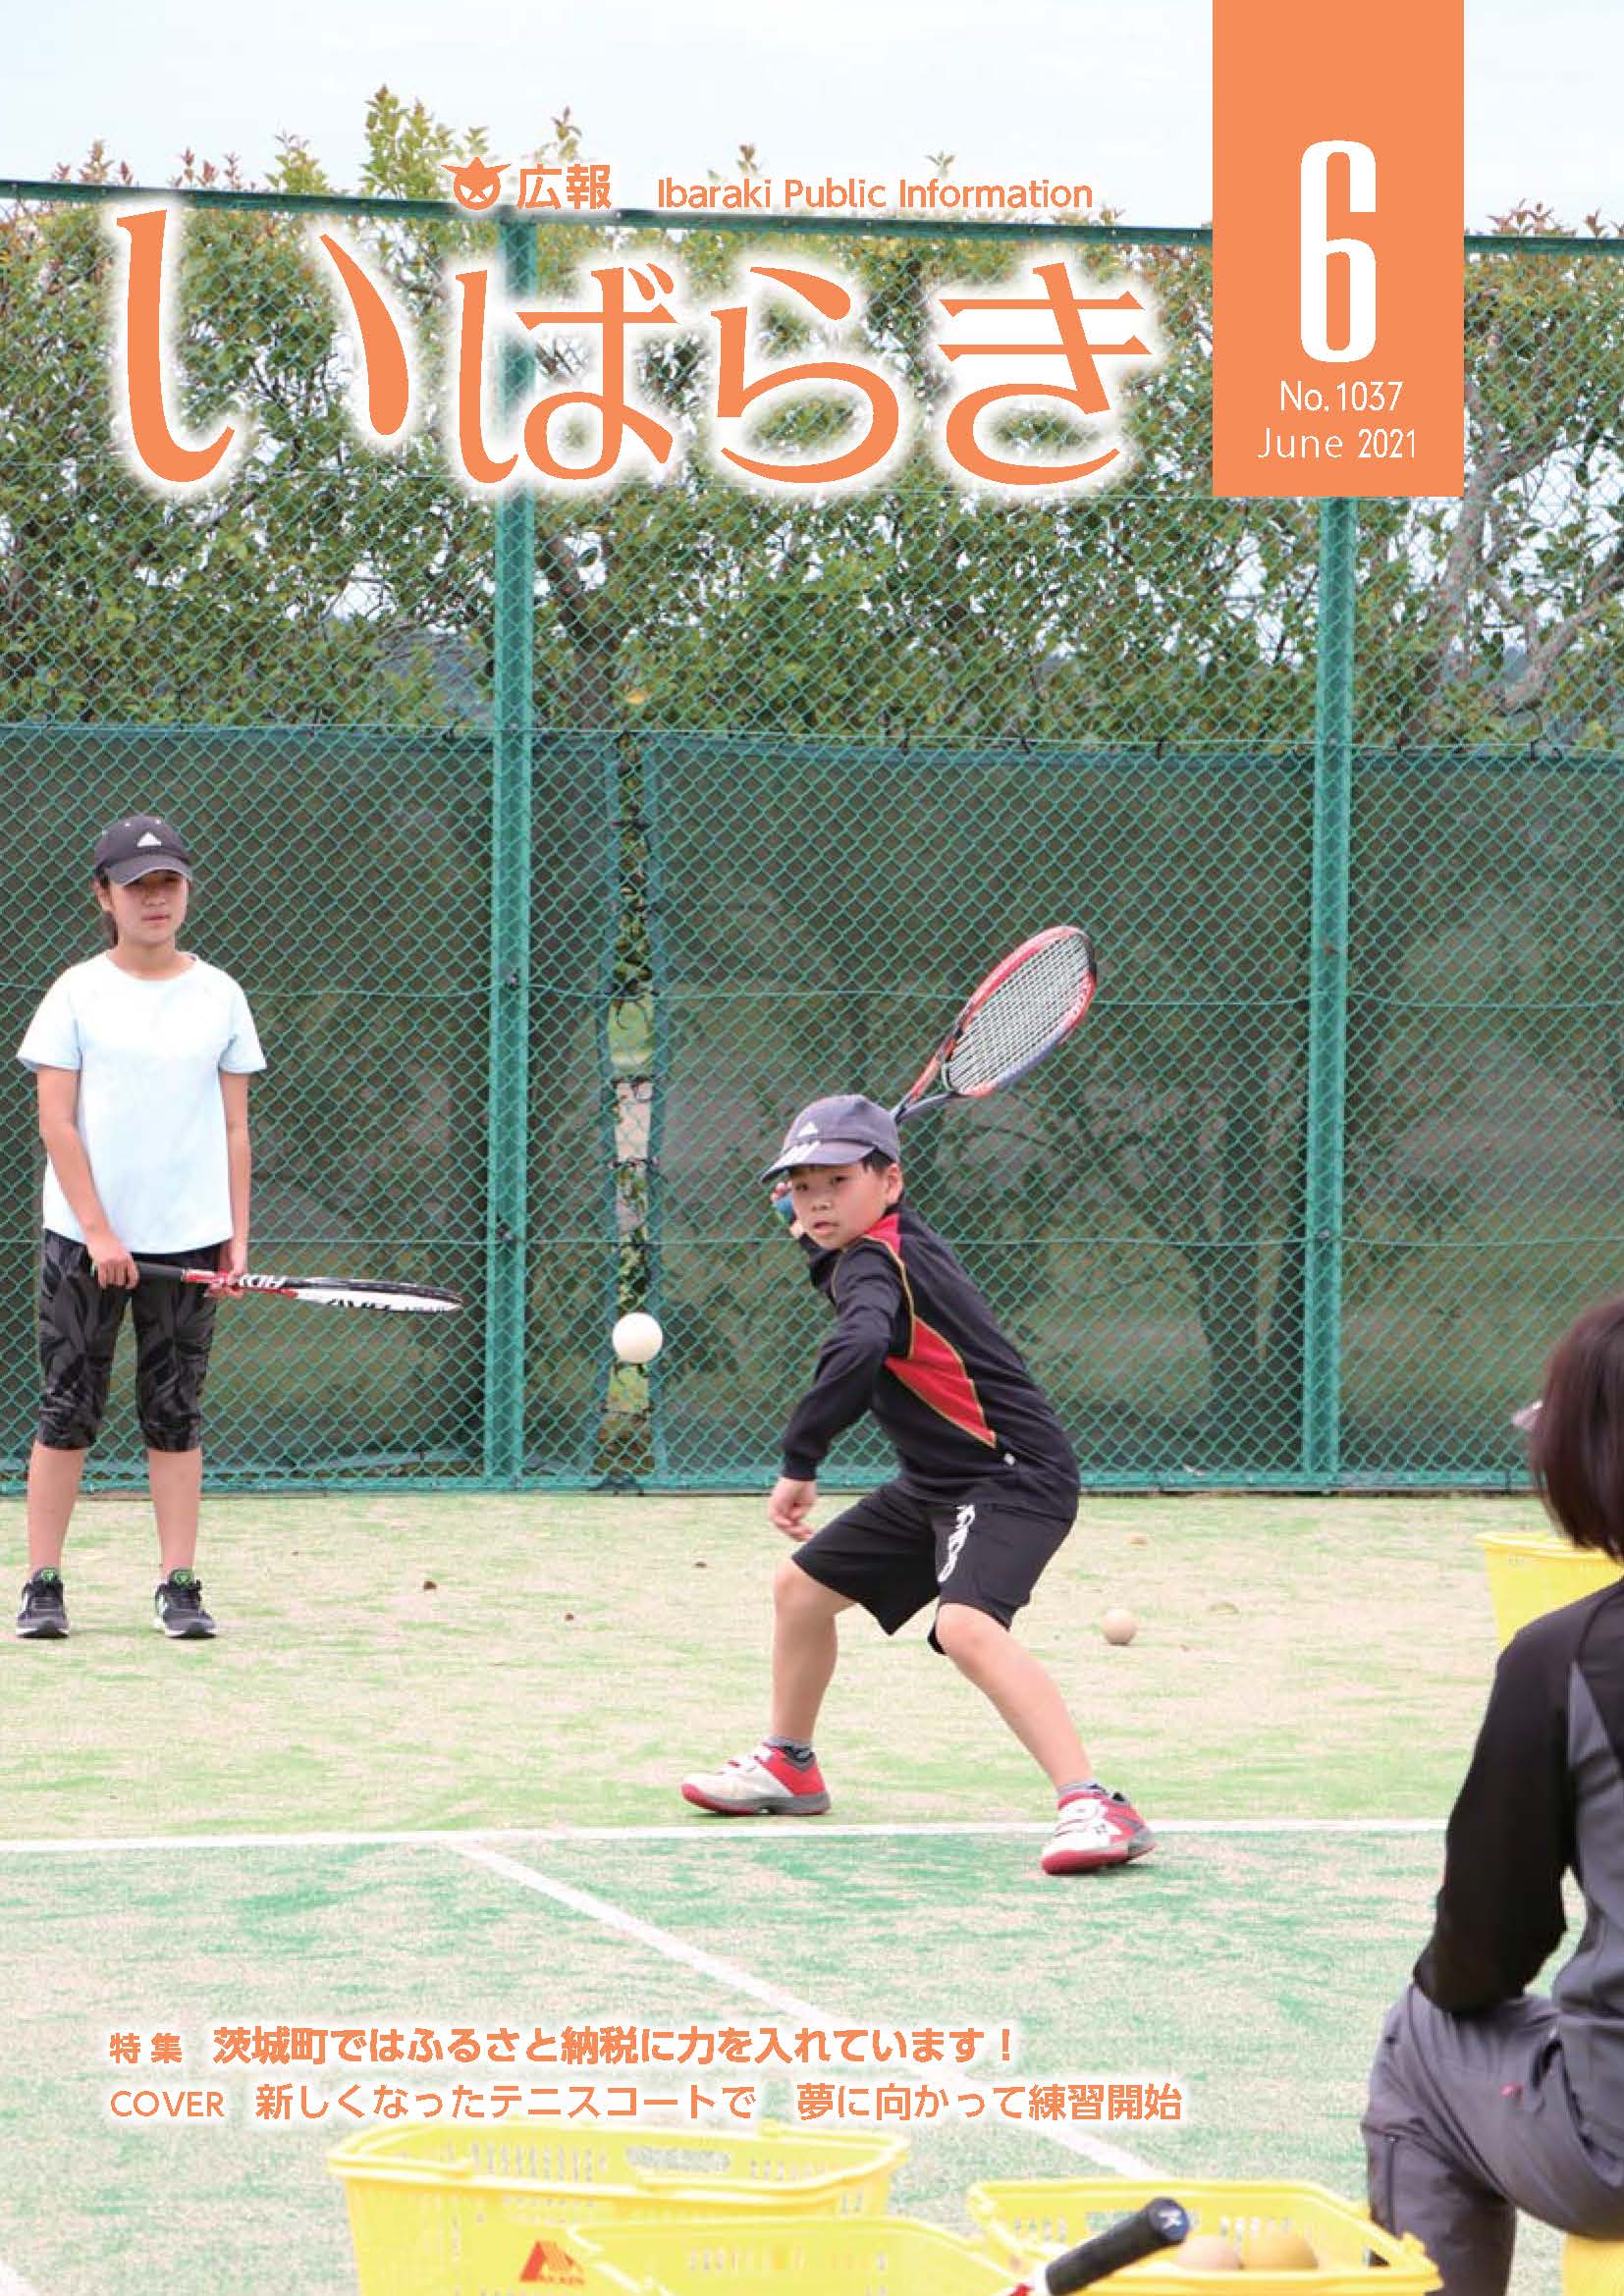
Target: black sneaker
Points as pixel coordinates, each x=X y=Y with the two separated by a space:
x=178 y=1607
x=44 y=1617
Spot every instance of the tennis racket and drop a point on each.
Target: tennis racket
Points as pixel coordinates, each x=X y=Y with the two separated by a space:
x=1028 y=1003
x=316 y=1291
x=1160 y=2223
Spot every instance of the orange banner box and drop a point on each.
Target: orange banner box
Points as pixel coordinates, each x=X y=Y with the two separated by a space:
x=1337 y=255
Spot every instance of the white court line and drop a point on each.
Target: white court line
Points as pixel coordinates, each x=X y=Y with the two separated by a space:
x=730 y=1975
x=766 y=1830
x=11 y=2283
x=727 y=1974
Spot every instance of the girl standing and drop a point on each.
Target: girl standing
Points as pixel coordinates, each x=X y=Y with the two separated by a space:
x=142 y=1058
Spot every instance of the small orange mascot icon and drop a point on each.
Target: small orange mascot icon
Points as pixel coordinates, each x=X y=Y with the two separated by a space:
x=474 y=184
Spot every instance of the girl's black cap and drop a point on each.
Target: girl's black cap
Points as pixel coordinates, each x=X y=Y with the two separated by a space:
x=137 y=847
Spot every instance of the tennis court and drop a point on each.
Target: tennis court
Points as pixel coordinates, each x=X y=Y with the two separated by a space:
x=377 y=1803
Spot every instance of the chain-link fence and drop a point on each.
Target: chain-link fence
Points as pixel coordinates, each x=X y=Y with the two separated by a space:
x=565 y=845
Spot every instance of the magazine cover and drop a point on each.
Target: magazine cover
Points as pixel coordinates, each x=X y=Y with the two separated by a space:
x=811 y=1381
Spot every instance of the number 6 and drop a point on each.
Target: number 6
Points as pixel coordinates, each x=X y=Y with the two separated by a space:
x=1317 y=251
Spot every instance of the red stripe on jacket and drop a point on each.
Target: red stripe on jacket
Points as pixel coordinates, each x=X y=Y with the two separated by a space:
x=933 y=1367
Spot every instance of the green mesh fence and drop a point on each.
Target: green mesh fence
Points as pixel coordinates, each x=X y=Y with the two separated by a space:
x=1133 y=1211
x=1485 y=1086
x=564 y=846
x=321 y=856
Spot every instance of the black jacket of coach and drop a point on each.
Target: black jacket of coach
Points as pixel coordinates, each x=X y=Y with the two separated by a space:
x=1544 y=1794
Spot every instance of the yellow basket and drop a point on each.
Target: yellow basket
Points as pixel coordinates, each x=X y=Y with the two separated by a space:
x=1592 y=2267
x=1531 y=1573
x=1031 y=2221
x=851 y=2255
x=462 y=2211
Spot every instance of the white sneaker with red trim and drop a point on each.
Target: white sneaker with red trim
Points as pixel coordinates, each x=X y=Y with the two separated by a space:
x=1094 y=1830
x=762 y=1785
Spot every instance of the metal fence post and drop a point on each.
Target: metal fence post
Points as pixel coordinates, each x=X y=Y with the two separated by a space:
x=508 y=1102
x=1327 y=997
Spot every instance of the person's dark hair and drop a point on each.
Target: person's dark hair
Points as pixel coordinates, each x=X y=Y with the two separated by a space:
x=104 y=917
x=1577 y=1446
x=876 y=1161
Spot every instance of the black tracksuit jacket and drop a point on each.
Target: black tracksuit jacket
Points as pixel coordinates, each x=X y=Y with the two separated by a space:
x=1544 y=1795
x=915 y=1343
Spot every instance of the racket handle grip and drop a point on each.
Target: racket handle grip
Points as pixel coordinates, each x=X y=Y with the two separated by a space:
x=167 y=1271
x=1160 y=2223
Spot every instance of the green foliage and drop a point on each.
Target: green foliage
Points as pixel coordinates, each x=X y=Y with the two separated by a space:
x=1497 y=617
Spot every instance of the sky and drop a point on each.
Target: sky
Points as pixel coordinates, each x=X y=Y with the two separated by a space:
x=1115 y=93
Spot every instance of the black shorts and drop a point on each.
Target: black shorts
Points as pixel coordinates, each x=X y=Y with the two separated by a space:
x=895 y=1551
x=79 y=1331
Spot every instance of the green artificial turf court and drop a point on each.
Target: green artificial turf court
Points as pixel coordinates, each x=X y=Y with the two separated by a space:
x=380 y=1803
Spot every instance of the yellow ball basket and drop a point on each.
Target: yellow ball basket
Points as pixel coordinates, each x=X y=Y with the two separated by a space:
x=1532 y=1572
x=1592 y=2267
x=1030 y=2220
x=846 y=2256
x=483 y=2211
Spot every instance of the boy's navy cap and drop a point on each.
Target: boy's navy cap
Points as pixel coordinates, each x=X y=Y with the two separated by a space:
x=137 y=845
x=842 y=1130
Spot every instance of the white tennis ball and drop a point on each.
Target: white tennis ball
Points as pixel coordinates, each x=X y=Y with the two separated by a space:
x=637 y=1339
x=1118 y=1625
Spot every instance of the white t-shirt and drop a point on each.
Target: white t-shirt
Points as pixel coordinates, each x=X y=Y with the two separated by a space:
x=150 y=1113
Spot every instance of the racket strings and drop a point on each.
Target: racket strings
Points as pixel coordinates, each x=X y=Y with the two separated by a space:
x=1028 y=1011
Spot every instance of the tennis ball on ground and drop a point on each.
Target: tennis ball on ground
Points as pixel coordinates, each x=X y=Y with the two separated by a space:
x=637 y=1339
x=1278 y=2248
x=1118 y=1625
